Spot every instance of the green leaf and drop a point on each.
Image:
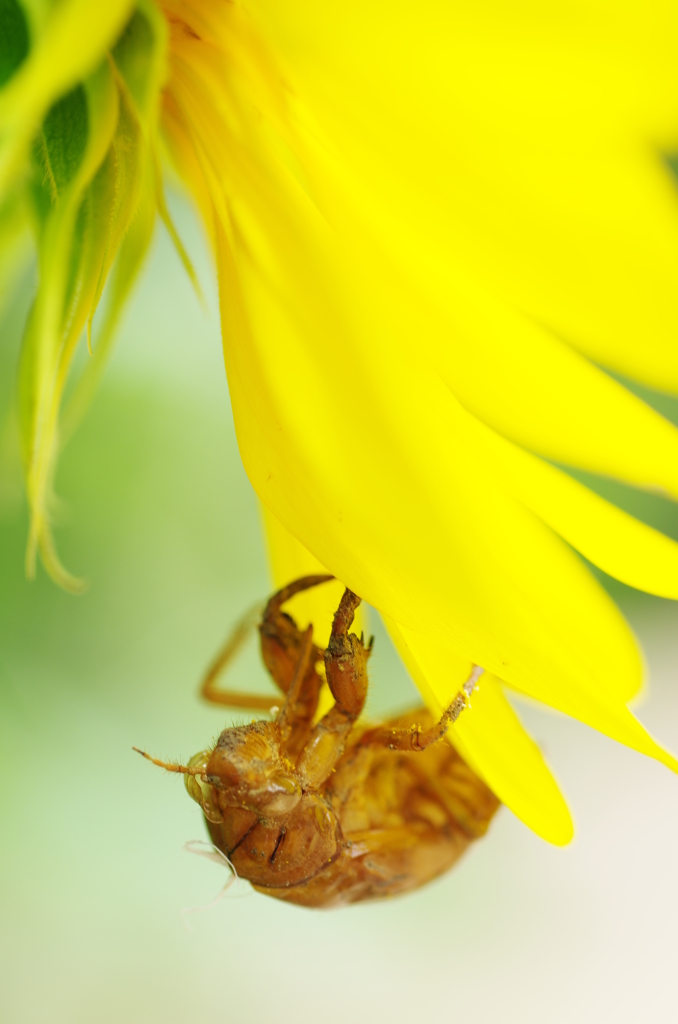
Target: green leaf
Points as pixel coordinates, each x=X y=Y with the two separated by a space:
x=129 y=153
x=96 y=190
x=14 y=242
x=140 y=56
x=125 y=272
x=64 y=139
x=68 y=40
x=49 y=339
x=14 y=39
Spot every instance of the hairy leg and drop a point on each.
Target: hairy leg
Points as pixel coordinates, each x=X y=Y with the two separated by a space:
x=209 y=688
x=415 y=739
x=281 y=645
x=283 y=649
x=346 y=670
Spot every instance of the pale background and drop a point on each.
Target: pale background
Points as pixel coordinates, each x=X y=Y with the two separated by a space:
x=159 y=515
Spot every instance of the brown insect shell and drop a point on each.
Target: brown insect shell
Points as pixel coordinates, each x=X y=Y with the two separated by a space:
x=248 y=770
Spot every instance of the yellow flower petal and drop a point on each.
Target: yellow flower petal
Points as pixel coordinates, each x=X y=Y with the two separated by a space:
x=332 y=336
x=289 y=560
x=623 y=547
x=489 y=736
x=525 y=139
x=522 y=381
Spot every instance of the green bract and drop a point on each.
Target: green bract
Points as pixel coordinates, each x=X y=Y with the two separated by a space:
x=85 y=166
x=13 y=38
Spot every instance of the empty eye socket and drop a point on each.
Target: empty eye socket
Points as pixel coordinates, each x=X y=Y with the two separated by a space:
x=281 y=803
x=279 y=794
x=273 y=783
x=283 y=784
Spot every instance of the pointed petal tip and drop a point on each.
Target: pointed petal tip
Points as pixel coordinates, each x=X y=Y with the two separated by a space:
x=545 y=813
x=555 y=828
x=667 y=759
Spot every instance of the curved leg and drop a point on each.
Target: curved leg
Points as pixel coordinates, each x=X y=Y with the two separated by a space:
x=281 y=645
x=346 y=669
x=283 y=649
x=281 y=640
x=234 y=698
x=416 y=739
x=293 y=717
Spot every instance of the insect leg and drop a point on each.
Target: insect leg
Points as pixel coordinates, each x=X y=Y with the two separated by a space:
x=416 y=739
x=234 y=698
x=281 y=640
x=293 y=717
x=281 y=644
x=283 y=650
x=346 y=669
x=346 y=660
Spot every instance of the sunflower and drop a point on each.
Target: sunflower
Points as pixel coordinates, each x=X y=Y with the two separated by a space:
x=444 y=235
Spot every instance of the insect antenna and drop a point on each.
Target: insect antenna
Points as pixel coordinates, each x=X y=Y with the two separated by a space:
x=169 y=766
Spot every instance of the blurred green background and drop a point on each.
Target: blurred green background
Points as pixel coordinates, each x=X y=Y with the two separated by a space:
x=159 y=516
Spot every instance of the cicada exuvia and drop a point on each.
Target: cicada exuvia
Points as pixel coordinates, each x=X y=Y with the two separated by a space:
x=335 y=811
